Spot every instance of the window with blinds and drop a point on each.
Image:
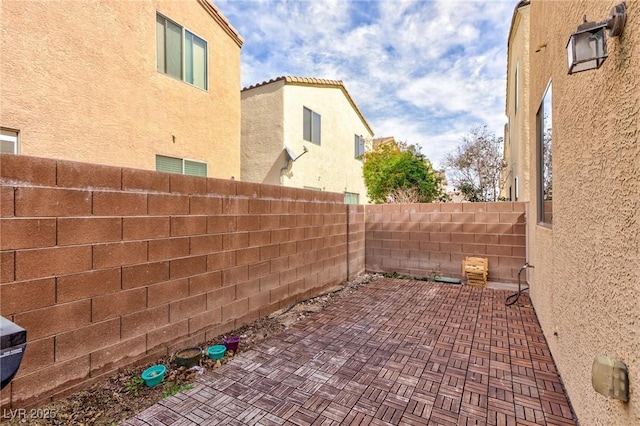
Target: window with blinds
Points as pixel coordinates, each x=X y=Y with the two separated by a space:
x=195 y=168
x=180 y=166
x=311 y=126
x=181 y=53
x=358 y=147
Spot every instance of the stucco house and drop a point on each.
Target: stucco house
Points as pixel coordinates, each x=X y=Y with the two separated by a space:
x=143 y=84
x=304 y=133
x=515 y=176
x=582 y=153
x=380 y=141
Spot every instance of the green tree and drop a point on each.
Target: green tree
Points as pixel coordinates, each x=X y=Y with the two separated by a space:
x=476 y=165
x=398 y=173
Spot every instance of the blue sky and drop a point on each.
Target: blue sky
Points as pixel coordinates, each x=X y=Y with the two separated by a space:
x=425 y=72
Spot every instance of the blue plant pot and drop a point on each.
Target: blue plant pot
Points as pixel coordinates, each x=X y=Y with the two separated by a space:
x=216 y=351
x=152 y=376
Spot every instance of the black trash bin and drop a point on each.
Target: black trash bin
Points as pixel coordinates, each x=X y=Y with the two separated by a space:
x=13 y=342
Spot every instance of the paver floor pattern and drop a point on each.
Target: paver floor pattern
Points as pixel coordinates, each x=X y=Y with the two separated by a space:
x=394 y=352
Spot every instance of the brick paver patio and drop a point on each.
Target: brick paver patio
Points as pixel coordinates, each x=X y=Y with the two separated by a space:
x=393 y=352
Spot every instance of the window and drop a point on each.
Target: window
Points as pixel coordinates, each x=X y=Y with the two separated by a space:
x=311 y=126
x=351 y=198
x=515 y=184
x=9 y=141
x=544 y=159
x=180 y=166
x=358 y=146
x=181 y=54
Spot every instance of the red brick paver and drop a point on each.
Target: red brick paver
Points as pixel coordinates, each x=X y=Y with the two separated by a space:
x=395 y=352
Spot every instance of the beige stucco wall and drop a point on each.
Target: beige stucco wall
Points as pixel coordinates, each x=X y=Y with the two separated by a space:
x=272 y=117
x=262 y=133
x=586 y=281
x=331 y=165
x=517 y=137
x=86 y=71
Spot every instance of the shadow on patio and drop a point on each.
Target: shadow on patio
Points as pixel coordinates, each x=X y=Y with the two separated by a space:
x=394 y=352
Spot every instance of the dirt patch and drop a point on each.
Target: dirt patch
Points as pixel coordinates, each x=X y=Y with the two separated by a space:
x=125 y=394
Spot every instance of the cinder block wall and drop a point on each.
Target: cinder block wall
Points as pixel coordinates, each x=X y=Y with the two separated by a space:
x=109 y=267
x=416 y=239
x=356 y=239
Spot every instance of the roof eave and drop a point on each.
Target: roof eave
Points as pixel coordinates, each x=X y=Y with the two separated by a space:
x=224 y=23
x=316 y=82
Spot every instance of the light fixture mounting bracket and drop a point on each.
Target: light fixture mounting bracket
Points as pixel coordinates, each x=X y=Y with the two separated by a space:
x=616 y=20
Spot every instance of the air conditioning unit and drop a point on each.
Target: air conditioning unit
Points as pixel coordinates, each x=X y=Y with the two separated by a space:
x=13 y=342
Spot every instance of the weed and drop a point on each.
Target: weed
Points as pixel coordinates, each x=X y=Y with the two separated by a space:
x=172 y=388
x=435 y=272
x=134 y=385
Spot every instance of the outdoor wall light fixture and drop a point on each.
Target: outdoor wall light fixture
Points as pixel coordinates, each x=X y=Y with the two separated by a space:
x=587 y=47
x=610 y=378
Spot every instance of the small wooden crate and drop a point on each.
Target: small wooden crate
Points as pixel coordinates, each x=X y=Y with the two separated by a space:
x=476 y=269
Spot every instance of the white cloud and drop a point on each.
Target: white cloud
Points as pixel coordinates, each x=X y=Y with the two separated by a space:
x=423 y=71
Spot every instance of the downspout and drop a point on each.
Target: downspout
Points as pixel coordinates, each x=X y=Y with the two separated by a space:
x=286 y=166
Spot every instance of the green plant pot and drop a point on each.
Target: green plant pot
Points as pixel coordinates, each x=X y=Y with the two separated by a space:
x=188 y=357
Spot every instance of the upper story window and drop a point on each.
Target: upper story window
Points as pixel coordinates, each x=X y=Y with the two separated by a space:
x=311 y=126
x=180 y=166
x=9 y=141
x=181 y=54
x=544 y=159
x=358 y=146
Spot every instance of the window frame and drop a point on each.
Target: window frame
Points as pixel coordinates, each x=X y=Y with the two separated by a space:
x=183 y=53
x=14 y=138
x=358 y=146
x=540 y=156
x=311 y=133
x=349 y=195
x=183 y=162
